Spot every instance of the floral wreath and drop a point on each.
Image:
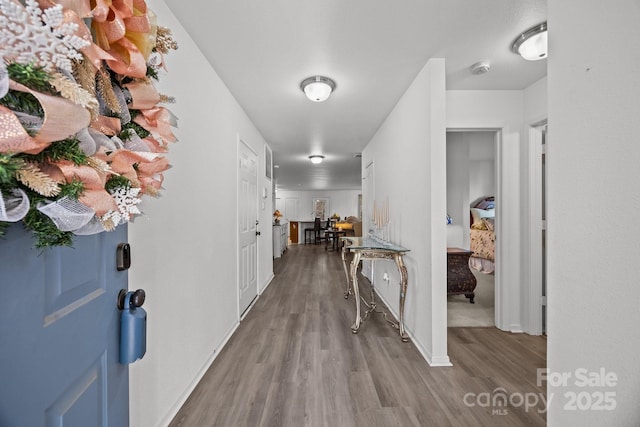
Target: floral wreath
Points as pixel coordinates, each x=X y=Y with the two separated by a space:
x=82 y=132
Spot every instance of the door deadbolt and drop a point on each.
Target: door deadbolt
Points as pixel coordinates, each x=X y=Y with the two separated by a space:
x=123 y=256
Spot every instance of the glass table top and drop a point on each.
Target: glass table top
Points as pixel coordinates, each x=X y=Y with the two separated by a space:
x=372 y=243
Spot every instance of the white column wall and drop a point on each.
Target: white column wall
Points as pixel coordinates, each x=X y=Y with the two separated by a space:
x=593 y=205
x=184 y=248
x=413 y=135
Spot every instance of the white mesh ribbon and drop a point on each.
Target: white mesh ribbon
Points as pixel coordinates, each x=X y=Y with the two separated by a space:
x=30 y=123
x=125 y=116
x=4 y=78
x=87 y=143
x=101 y=140
x=14 y=205
x=173 y=120
x=134 y=143
x=92 y=227
x=67 y=214
x=117 y=142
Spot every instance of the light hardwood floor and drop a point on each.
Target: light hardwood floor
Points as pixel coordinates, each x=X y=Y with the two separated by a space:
x=294 y=362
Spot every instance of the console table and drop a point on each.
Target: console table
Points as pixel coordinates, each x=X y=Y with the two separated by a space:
x=460 y=279
x=373 y=249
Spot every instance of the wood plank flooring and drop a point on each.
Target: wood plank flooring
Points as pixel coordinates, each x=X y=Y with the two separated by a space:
x=294 y=362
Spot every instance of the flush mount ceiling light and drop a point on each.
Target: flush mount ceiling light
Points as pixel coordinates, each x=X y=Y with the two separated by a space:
x=318 y=88
x=316 y=158
x=532 y=44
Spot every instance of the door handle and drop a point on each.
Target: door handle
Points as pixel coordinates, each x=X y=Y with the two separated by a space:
x=257 y=233
x=133 y=326
x=136 y=300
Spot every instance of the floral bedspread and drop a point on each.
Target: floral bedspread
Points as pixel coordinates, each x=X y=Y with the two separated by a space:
x=483 y=244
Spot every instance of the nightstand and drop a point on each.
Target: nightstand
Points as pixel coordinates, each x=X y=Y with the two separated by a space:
x=460 y=279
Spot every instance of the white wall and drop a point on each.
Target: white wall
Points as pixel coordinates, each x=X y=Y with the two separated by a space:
x=414 y=135
x=342 y=202
x=482 y=164
x=471 y=174
x=535 y=102
x=184 y=247
x=458 y=189
x=593 y=158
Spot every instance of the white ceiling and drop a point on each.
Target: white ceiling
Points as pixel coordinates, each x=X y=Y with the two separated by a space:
x=373 y=49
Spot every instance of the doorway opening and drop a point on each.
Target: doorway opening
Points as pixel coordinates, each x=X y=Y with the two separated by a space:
x=472 y=187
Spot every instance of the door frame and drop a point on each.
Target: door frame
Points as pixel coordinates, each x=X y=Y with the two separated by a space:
x=503 y=297
x=241 y=314
x=534 y=282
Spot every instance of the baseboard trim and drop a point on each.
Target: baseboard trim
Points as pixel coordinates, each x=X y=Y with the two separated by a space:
x=516 y=329
x=440 y=361
x=266 y=284
x=192 y=385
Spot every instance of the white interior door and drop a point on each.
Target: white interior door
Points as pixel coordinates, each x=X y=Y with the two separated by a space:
x=247 y=226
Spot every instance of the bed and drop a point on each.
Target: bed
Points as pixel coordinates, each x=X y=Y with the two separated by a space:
x=483 y=237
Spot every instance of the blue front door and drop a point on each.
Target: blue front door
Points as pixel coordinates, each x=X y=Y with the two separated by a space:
x=59 y=332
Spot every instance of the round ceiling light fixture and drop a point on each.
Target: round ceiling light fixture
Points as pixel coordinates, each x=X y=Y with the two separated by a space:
x=316 y=159
x=532 y=44
x=318 y=88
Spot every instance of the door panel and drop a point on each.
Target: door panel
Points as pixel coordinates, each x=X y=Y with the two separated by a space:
x=59 y=332
x=293 y=232
x=247 y=226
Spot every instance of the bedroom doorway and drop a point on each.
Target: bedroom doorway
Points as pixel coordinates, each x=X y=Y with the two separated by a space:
x=472 y=186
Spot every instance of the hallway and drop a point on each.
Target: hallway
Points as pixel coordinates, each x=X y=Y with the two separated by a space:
x=293 y=361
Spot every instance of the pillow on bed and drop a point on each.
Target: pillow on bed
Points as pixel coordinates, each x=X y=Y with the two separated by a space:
x=478 y=214
x=486 y=204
